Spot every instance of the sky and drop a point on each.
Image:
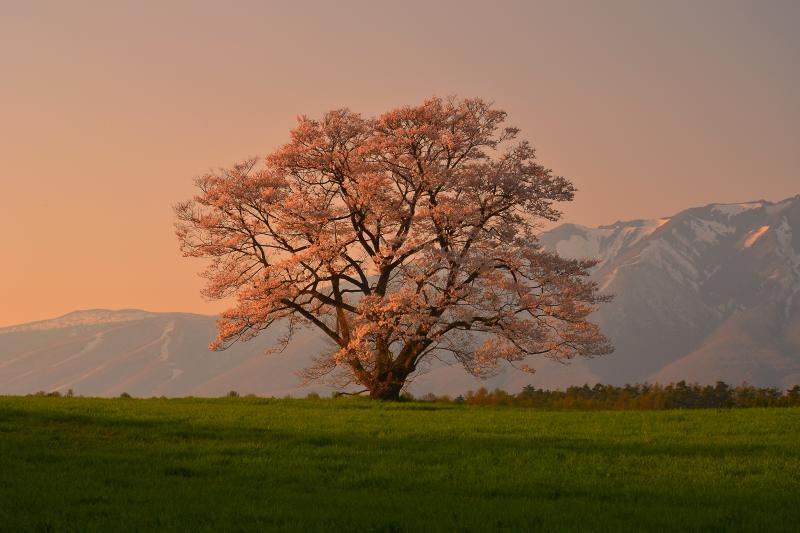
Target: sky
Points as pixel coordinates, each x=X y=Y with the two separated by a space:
x=109 y=109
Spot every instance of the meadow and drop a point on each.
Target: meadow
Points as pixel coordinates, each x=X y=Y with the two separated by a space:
x=236 y=464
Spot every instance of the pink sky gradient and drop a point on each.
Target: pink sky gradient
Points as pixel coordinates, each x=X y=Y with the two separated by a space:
x=109 y=111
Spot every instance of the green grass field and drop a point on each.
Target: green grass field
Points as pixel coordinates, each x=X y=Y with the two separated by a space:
x=74 y=464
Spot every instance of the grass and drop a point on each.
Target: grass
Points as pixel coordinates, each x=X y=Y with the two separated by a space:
x=75 y=464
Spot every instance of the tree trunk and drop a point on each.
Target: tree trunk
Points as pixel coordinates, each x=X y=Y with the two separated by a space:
x=387 y=389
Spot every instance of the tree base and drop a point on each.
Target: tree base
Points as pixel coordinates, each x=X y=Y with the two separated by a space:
x=386 y=391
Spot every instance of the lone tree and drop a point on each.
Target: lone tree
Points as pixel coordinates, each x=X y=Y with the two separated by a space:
x=402 y=238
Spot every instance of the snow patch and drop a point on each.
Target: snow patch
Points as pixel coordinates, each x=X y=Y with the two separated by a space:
x=660 y=222
x=735 y=209
x=783 y=234
x=88 y=347
x=607 y=243
x=610 y=278
x=165 y=339
x=709 y=231
x=582 y=246
x=754 y=236
x=661 y=255
x=91 y=317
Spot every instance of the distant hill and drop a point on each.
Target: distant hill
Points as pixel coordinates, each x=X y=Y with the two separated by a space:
x=711 y=293
x=105 y=353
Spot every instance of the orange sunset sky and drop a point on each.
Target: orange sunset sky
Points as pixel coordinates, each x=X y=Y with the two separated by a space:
x=109 y=109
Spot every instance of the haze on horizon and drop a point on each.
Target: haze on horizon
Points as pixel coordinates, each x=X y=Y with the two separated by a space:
x=109 y=111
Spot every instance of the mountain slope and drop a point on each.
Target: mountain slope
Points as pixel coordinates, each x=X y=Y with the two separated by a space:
x=711 y=293
x=106 y=353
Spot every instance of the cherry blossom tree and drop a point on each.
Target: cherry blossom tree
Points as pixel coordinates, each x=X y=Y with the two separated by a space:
x=402 y=238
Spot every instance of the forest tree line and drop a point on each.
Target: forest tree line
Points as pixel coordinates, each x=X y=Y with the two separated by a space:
x=646 y=396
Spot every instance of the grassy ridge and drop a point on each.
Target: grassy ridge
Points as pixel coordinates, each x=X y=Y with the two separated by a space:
x=75 y=464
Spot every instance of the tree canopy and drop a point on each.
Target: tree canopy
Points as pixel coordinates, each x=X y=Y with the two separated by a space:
x=404 y=237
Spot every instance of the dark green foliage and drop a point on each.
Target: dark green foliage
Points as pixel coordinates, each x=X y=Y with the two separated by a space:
x=53 y=394
x=637 y=397
x=351 y=464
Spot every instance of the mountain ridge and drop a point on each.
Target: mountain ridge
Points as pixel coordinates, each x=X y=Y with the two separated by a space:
x=681 y=280
x=709 y=293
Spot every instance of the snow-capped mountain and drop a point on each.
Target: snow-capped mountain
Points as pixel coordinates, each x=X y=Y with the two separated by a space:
x=712 y=293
